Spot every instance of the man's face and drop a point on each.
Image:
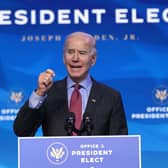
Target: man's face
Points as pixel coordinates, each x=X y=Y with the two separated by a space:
x=79 y=57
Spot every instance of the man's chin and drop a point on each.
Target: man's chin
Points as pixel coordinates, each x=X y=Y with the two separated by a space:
x=76 y=78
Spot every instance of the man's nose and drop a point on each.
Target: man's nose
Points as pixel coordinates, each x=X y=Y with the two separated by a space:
x=75 y=56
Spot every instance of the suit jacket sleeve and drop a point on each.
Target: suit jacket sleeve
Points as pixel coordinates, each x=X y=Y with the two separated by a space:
x=50 y=115
x=28 y=120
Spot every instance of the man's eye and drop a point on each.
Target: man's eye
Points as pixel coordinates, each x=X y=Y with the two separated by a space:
x=83 y=53
x=70 y=51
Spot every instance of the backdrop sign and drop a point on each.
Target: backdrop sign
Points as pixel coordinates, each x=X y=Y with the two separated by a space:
x=132 y=58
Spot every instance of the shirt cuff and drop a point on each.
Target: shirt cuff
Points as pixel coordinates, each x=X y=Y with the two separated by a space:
x=35 y=101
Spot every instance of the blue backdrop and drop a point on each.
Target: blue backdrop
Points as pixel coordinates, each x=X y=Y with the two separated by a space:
x=132 y=49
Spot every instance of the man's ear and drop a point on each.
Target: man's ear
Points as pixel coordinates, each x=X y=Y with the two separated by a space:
x=93 y=61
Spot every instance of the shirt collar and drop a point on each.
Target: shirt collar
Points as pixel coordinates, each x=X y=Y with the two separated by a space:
x=85 y=83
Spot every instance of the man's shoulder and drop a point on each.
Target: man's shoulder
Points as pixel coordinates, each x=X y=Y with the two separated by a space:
x=105 y=88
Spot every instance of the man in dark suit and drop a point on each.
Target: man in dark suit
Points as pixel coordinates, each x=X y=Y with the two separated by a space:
x=50 y=103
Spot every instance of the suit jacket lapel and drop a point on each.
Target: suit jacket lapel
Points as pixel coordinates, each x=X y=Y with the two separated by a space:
x=93 y=101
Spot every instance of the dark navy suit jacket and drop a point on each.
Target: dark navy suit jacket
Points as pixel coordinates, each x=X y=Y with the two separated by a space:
x=104 y=107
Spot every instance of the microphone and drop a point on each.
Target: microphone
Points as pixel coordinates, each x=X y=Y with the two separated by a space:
x=70 y=123
x=88 y=125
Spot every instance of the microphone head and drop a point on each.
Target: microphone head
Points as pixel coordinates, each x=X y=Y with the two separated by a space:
x=87 y=119
x=69 y=123
x=87 y=122
x=70 y=117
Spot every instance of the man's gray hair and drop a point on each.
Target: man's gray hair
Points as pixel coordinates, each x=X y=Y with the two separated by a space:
x=90 y=37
